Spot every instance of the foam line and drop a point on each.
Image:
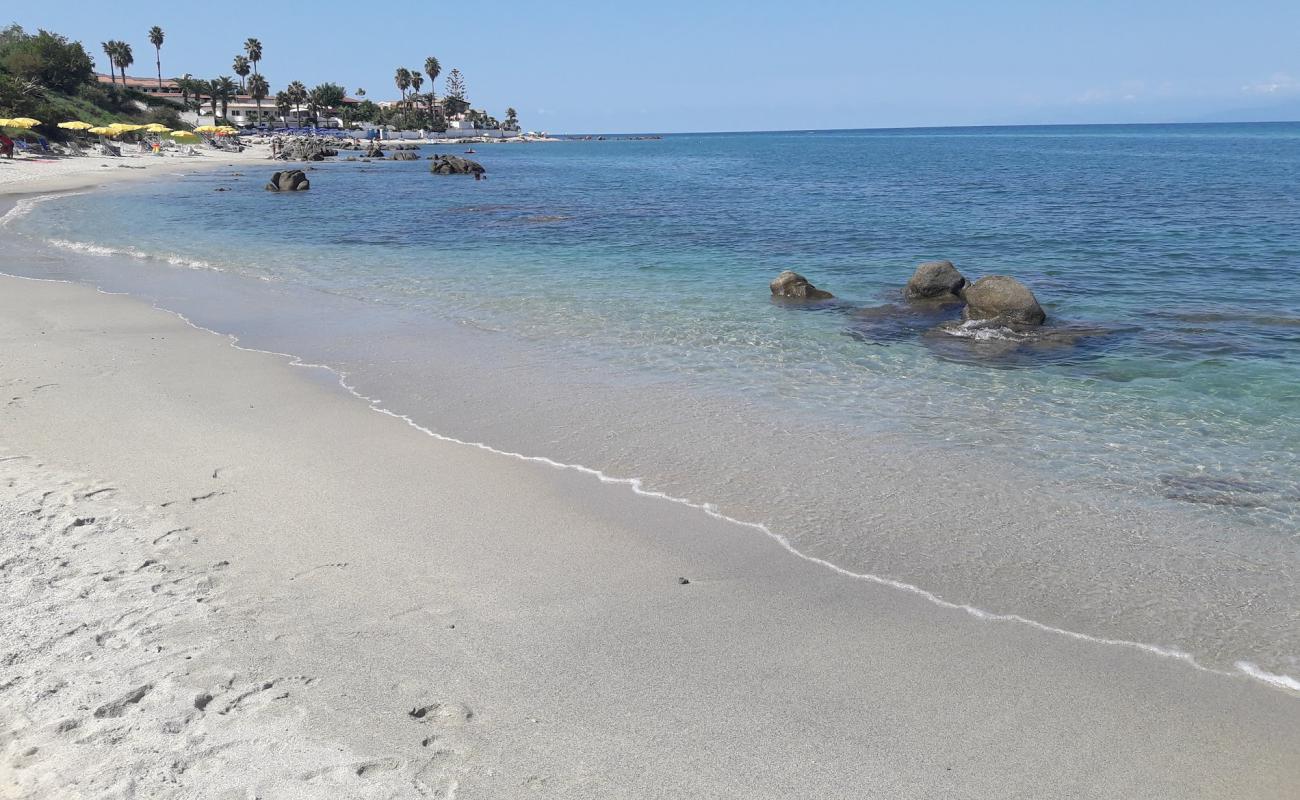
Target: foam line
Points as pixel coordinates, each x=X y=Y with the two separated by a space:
x=1243 y=668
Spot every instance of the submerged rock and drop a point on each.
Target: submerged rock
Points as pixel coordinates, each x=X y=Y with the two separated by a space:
x=791 y=284
x=935 y=280
x=454 y=165
x=1002 y=300
x=293 y=180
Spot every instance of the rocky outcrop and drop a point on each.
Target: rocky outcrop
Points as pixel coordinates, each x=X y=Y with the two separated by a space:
x=935 y=280
x=1002 y=300
x=454 y=165
x=405 y=155
x=293 y=180
x=306 y=149
x=793 y=285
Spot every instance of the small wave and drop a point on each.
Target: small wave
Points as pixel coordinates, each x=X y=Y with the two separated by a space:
x=982 y=332
x=105 y=250
x=26 y=205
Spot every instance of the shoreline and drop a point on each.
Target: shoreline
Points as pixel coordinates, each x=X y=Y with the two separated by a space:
x=1238 y=663
x=196 y=384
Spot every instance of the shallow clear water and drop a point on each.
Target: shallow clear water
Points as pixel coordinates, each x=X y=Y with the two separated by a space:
x=606 y=303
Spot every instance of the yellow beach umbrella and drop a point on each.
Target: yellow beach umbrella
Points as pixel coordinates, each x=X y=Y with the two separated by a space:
x=4 y=122
x=183 y=136
x=125 y=127
x=157 y=127
x=24 y=122
x=103 y=131
x=207 y=129
x=76 y=125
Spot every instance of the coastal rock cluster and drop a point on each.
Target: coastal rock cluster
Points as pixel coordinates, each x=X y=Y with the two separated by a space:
x=454 y=165
x=306 y=148
x=994 y=300
x=994 y=320
x=293 y=180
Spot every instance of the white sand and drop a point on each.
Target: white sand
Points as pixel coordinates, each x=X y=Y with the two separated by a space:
x=27 y=173
x=182 y=520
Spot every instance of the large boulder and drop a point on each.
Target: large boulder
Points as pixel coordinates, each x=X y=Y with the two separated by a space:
x=293 y=180
x=405 y=155
x=454 y=165
x=1003 y=300
x=793 y=285
x=935 y=280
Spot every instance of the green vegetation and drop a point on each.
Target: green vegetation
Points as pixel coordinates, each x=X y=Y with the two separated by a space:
x=47 y=77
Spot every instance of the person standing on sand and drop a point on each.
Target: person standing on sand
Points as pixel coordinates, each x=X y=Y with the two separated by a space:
x=6 y=147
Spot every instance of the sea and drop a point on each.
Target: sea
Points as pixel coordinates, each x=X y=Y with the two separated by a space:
x=1130 y=473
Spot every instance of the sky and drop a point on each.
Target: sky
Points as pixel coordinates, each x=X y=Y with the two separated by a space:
x=575 y=66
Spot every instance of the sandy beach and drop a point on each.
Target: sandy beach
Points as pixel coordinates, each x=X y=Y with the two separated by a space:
x=29 y=174
x=225 y=575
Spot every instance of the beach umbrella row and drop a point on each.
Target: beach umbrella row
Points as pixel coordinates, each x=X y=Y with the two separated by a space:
x=19 y=122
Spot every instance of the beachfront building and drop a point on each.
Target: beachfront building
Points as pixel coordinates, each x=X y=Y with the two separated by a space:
x=165 y=88
x=242 y=111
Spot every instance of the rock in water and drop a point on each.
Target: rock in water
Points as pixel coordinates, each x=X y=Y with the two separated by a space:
x=455 y=165
x=792 y=284
x=293 y=180
x=935 y=280
x=1003 y=300
x=405 y=155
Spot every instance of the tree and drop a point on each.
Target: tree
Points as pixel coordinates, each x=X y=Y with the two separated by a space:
x=417 y=80
x=241 y=68
x=361 y=92
x=156 y=37
x=297 y=95
x=454 y=99
x=124 y=58
x=47 y=59
x=259 y=89
x=110 y=48
x=283 y=103
x=191 y=91
x=432 y=68
x=402 y=77
x=223 y=89
x=329 y=95
x=253 y=49
x=512 y=120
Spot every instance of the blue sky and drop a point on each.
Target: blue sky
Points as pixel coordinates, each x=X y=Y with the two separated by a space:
x=669 y=65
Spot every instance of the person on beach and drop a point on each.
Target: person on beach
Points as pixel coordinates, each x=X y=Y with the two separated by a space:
x=6 y=146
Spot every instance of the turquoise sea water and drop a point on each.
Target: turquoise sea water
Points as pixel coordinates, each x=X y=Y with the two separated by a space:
x=606 y=303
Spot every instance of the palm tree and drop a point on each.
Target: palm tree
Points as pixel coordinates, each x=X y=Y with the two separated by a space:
x=433 y=69
x=403 y=80
x=123 y=58
x=361 y=92
x=253 y=49
x=417 y=80
x=156 y=39
x=223 y=89
x=240 y=66
x=512 y=119
x=297 y=94
x=259 y=89
x=283 y=102
x=110 y=49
